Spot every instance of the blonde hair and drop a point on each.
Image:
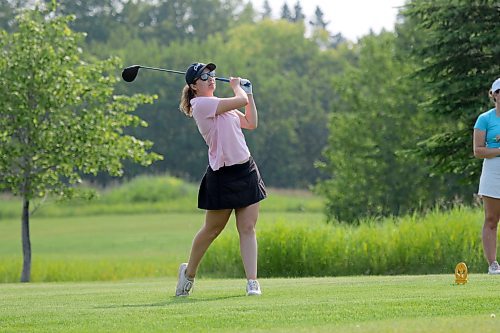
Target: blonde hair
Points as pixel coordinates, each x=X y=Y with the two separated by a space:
x=186 y=96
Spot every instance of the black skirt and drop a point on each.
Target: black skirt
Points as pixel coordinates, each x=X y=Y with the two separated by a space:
x=234 y=186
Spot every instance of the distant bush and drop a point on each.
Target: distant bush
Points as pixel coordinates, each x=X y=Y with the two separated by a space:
x=153 y=194
x=429 y=244
x=149 y=189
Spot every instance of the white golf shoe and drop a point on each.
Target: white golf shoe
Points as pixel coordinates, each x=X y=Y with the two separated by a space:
x=494 y=268
x=253 y=288
x=184 y=284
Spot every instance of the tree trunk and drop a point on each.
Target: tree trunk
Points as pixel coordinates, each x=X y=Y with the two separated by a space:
x=25 y=235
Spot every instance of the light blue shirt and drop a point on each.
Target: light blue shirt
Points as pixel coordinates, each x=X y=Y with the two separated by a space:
x=489 y=122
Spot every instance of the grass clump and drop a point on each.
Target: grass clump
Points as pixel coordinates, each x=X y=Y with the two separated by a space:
x=429 y=244
x=150 y=189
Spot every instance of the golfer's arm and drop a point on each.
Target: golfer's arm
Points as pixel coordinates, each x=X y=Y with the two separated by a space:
x=249 y=120
x=231 y=103
x=480 y=150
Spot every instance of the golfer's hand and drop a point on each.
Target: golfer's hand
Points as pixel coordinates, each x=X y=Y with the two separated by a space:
x=247 y=86
x=234 y=82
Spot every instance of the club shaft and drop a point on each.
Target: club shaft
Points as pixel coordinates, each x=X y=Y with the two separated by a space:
x=179 y=72
x=163 y=70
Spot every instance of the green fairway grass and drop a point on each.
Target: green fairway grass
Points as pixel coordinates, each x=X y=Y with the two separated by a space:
x=112 y=247
x=429 y=303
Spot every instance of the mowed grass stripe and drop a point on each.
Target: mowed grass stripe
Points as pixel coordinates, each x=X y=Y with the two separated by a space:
x=346 y=304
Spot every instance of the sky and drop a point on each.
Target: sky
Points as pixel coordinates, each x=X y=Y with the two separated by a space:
x=352 y=18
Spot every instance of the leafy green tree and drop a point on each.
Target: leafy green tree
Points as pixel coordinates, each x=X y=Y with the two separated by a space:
x=165 y=20
x=289 y=78
x=291 y=98
x=376 y=120
x=458 y=61
x=175 y=136
x=59 y=117
x=212 y=16
x=7 y=13
x=94 y=17
x=289 y=72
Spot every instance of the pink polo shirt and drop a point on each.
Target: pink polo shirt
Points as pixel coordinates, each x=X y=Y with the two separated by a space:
x=222 y=133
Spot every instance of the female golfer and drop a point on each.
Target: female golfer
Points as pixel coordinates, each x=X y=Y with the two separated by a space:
x=232 y=180
x=487 y=147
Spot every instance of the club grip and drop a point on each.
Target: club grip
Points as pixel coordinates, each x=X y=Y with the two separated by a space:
x=227 y=80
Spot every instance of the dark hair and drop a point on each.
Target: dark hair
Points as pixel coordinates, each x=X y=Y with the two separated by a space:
x=492 y=96
x=186 y=96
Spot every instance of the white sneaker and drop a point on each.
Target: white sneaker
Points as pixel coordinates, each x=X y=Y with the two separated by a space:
x=253 y=288
x=184 y=284
x=494 y=268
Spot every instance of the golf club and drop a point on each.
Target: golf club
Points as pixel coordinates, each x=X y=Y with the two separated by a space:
x=130 y=73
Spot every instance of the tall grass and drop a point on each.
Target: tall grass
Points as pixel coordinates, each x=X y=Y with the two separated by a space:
x=428 y=244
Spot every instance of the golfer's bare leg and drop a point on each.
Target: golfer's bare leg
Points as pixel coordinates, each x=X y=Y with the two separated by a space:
x=491 y=217
x=215 y=221
x=246 y=219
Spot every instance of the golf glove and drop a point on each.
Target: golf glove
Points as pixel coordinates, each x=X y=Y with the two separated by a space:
x=246 y=88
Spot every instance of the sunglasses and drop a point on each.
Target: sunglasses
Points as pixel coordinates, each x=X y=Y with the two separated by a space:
x=205 y=76
x=496 y=92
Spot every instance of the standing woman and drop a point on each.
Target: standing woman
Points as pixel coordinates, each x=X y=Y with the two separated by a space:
x=232 y=180
x=487 y=147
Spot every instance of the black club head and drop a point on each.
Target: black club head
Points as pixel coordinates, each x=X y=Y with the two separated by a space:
x=130 y=73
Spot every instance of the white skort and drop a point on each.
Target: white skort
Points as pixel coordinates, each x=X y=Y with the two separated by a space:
x=489 y=183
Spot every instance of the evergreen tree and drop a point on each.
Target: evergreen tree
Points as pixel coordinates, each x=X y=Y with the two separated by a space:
x=459 y=61
x=324 y=38
x=298 y=13
x=336 y=40
x=268 y=12
x=319 y=21
x=286 y=14
x=247 y=14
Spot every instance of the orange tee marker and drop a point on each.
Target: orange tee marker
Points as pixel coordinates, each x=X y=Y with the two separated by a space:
x=461 y=273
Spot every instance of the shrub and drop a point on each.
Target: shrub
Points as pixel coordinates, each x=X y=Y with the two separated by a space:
x=152 y=194
x=149 y=189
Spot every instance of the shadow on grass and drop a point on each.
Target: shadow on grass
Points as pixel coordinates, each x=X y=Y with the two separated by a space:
x=171 y=301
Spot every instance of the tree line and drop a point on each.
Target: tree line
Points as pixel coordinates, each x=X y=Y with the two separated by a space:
x=378 y=126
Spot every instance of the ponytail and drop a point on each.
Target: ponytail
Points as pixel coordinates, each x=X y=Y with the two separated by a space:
x=186 y=96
